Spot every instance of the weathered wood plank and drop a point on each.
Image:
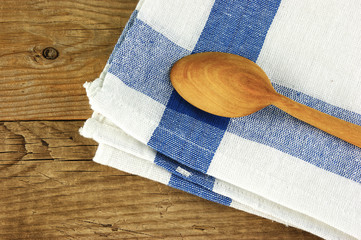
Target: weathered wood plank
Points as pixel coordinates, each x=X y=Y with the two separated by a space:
x=84 y=33
x=50 y=189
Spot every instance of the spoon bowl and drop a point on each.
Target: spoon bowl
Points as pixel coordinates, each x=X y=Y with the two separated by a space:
x=229 y=85
x=223 y=84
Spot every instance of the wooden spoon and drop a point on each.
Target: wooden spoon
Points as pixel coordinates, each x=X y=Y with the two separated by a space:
x=229 y=85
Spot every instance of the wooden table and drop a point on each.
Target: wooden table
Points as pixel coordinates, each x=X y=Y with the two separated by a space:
x=50 y=188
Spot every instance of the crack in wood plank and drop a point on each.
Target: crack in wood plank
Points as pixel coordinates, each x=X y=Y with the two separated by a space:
x=107 y=225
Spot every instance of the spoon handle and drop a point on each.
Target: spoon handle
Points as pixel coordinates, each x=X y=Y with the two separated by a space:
x=346 y=131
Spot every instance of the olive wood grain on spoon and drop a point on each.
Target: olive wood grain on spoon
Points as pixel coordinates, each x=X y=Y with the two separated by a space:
x=229 y=85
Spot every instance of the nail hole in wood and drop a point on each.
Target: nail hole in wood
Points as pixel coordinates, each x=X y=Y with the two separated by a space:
x=50 y=53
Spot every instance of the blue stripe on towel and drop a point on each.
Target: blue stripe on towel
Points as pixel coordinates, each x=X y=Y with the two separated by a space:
x=143 y=61
x=233 y=26
x=237 y=27
x=122 y=36
x=186 y=139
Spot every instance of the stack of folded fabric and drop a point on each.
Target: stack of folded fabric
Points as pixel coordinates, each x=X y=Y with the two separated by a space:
x=267 y=163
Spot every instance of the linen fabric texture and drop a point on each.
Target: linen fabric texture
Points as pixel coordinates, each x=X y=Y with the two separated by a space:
x=267 y=163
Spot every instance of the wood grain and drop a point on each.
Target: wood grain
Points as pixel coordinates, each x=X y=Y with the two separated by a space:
x=223 y=84
x=84 y=32
x=50 y=189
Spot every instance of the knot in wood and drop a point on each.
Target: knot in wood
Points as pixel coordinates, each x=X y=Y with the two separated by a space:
x=50 y=53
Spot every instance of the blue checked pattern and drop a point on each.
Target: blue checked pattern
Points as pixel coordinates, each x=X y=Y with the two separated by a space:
x=187 y=137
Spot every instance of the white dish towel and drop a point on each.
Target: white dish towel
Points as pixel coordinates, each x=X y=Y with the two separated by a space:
x=268 y=163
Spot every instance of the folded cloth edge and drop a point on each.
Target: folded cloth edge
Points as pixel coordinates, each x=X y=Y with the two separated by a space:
x=96 y=128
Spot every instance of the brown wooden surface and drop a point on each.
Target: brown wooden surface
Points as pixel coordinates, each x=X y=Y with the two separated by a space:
x=50 y=188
